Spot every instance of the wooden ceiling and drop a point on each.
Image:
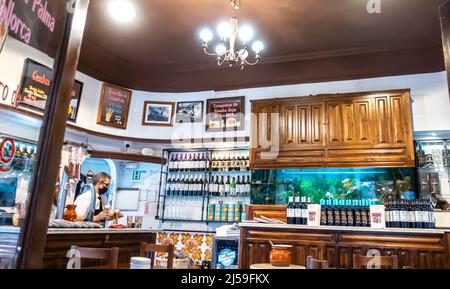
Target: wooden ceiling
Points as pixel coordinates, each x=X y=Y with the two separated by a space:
x=306 y=41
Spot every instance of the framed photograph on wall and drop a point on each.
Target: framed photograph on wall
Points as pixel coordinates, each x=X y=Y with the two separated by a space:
x=225 y=114
x=158 y=113
x=114 y=106
x=189 y=112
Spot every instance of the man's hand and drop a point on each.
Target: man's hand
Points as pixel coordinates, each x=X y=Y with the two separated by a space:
x=102 y=217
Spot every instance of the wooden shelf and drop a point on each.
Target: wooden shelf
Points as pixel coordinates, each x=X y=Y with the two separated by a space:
x=126 y=157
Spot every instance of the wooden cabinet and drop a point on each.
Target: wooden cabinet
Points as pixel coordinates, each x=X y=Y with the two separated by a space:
x=419 y=250
x=346 y=130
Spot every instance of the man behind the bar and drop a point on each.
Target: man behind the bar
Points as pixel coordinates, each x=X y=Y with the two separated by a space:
x=91 y=204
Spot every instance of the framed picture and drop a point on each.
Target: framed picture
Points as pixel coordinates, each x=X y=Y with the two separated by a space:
x=127 y=199
x=225 y=114
x=35 y=85
x=158 y=113
x=114 y=106
x=75 y=100
x=189 y=112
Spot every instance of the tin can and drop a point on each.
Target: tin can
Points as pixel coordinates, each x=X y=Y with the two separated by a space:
x=218 y=214
x=211 y=212
x=237 y=212
x=231 y=213
x=224 y=212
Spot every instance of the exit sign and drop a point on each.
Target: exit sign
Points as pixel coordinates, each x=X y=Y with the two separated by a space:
x=137 y=175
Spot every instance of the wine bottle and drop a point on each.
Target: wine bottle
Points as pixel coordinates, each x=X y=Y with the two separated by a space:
x=323 y=213
x=350 y=214
x=222 y=187
x=290 y=214
x=304 y=211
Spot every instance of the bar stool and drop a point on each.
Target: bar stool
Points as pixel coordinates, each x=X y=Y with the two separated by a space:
x=151 y=249
x=312 y=263
x=109 y=255
x=387 y=262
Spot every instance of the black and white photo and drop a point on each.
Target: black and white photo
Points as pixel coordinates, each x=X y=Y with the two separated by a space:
x=158 y=113
x=188 y=112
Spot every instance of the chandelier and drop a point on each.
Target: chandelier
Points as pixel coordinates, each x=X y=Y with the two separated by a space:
x=227 y=49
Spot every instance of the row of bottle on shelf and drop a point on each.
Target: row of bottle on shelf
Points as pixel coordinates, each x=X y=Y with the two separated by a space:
x=185 y=185
x=410 y=214
x=231 y=213
x=297 y=210
x=351 y=213
x=197 y=162
x=431 y=159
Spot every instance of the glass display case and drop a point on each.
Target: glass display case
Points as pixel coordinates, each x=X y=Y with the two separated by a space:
x=433 y=168
x=16 y=166
x=274 y=187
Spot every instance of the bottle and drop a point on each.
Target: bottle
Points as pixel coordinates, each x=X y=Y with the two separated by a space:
x=337 y=213
x=290 y=213
x=214 y=163
x=330 y=213
x=350 y=214
x=223 y=163
x=411 y=214
x=304 y=220
x=228 y=164
x=343 y=213
x=248 y=186
x=247 y=162
x=224 y=212
x=387 y=213
x=323 y=213
x=358 y=216
x=233 y=187
x=227 y=187
x=222 y=187
x=432 y=219
x=364 y=220
x=404 y=215
x=418 y=215
x=238 y=212
x=367 y=211
x=298 y=211
x=232 y=162
x=421 y=157
x=231 y=208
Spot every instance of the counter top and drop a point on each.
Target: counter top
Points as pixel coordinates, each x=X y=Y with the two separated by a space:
x=71 y=231
x=343 y=229
x=9 y=230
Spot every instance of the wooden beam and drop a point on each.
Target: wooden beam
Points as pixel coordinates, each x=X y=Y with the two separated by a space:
x=444 y=13
x=34 y=231
x=127 y=157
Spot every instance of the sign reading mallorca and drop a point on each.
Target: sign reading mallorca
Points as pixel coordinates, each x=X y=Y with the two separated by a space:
x=35 y=22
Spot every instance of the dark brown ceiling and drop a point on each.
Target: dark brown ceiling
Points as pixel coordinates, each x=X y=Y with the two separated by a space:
x=306 y=41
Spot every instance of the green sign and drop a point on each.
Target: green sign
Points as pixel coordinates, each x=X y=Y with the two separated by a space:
x=137 y=175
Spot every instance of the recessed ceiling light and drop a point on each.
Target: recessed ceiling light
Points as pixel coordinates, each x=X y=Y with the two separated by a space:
x=122 y=10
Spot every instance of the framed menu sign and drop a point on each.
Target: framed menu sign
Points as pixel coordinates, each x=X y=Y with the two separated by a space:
x=114 y=106
x=225 y=114
x=36 y=83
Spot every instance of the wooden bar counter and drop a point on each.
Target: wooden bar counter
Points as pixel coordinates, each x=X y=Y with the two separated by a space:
x=418 y=248
x=59 y=242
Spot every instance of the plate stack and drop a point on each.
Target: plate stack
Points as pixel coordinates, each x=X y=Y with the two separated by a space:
x=138 y=263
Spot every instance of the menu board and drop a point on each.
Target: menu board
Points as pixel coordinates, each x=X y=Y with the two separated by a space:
x=36 y=83
x=35 y=88
x=114 y=106
x=225 y=114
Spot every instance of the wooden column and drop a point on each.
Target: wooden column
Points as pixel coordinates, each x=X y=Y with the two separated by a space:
x=34 y=231
x=444 y=12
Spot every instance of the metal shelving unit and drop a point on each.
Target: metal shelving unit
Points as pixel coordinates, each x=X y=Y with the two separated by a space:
x=208 y=173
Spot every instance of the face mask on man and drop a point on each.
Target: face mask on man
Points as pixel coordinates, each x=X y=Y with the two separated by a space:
x=103 y=191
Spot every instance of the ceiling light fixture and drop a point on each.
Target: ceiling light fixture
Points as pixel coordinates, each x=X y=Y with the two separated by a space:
x=122 y=10
x=227 y=50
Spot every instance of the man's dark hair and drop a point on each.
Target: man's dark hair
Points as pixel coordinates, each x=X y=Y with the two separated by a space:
x=100 y=177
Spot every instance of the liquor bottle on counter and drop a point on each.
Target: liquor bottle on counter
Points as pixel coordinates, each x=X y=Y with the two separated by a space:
x=298 y=211
x=358 y=214
x=343 y=211
x=290 y=213
x=387 y=213
x=421 y=157
x=233 y=187
x=323 y=212
x=330 y=213
x=337 y=213
x=350 y=214
x=304 y=220
x=222 y=188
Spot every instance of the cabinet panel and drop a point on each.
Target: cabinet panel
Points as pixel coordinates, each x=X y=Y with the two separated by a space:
x=317 y=124
x=303 y=124
x=334 y=118
x=348 y=123
x=289 y=129
x=382 y=125
x=363 y=116
x=398 y=120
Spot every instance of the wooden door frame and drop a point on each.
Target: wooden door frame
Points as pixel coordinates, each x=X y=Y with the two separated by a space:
x=33 y=235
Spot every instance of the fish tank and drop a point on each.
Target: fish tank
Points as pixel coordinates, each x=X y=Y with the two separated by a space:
x=274 y=187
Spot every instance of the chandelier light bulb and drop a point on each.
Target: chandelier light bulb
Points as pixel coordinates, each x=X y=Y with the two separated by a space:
x=221 y=49
x=122 y=10
x=243 y=53
x=246 y=33
x=258 y=46
x=224 y=30
x=206 y=35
